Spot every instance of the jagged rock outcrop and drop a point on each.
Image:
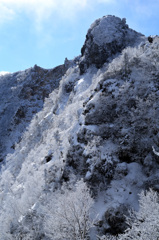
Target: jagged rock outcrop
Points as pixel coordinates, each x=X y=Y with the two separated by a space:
x=106 y=37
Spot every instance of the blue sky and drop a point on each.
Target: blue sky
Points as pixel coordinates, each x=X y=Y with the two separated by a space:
x=44 y=32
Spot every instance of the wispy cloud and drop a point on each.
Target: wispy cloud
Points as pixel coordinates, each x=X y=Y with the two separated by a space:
x=43 y=10
x=40 y=10
x=6 y=13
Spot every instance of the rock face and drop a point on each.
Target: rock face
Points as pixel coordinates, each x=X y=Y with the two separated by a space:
x=106 y=37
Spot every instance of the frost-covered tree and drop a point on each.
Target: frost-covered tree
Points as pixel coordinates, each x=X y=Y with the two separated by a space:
x=69 y=216
x=144 y=224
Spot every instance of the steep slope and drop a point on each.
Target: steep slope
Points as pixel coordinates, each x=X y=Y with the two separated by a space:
x=99 y=123
x=22 y=95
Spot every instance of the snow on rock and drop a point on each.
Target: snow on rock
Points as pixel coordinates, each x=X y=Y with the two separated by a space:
x=2 y=73
x=107 y=36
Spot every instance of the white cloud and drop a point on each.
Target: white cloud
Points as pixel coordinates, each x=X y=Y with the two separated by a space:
x=6 y=13
x=40 y=10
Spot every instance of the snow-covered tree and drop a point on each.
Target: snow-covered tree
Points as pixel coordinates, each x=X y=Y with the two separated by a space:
x=69 y=216
x=144 y=224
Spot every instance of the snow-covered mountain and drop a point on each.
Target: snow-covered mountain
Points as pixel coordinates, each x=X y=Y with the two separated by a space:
x=22 y=95
x=94 y=118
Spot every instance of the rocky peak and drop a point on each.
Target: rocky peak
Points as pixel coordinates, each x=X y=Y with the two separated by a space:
x=107 y=36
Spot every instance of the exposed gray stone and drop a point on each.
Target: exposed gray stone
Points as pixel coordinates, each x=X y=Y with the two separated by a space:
x=106 y=37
